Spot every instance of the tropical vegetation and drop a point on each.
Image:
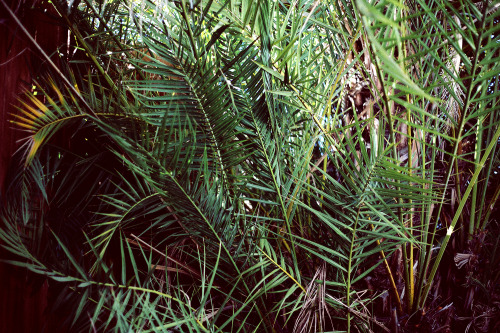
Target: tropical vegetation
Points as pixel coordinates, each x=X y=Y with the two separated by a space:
x=262 y=166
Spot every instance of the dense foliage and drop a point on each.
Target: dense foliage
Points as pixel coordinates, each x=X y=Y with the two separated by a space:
x=261 y=166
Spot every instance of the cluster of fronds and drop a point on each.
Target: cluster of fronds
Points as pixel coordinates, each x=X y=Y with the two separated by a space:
x=263 y=166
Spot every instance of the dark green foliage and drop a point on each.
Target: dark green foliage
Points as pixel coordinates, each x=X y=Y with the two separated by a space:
x=262 y=167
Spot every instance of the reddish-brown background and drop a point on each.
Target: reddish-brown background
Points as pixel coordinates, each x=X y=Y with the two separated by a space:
x=23 y=296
